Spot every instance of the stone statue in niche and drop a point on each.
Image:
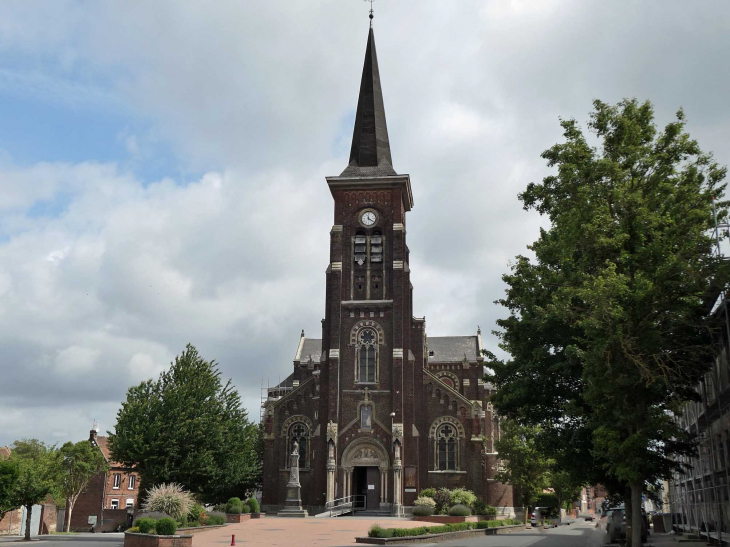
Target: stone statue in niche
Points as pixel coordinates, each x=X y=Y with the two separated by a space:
x=366 y=417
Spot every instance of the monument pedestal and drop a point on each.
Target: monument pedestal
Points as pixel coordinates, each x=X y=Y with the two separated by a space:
x=293 y=507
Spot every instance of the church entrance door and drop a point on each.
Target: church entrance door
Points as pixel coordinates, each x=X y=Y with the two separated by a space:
x=366 y=483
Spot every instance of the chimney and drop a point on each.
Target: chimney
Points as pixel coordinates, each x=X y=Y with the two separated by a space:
x=94 y=431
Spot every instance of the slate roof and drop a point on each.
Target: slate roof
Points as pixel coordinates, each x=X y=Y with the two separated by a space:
x=451 y=349
x=313 y=347
x=370 y=151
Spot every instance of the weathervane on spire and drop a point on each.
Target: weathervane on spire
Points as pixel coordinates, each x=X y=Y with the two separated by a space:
x=371 y=11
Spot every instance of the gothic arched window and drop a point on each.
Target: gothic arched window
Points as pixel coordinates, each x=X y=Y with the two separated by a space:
x=298 y=432
x=446 y=447
x=367 y=342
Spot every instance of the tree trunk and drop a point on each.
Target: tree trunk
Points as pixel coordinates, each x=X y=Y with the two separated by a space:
x=68 y=517
x=637 y=489
x=628 y=514
x=29 y=511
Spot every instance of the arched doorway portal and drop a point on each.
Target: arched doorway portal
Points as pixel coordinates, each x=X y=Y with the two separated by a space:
x=365 y=463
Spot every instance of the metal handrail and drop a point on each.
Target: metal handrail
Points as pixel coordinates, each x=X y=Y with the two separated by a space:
x=348 y=503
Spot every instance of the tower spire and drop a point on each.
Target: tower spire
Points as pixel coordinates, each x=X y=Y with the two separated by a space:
x=370 y=152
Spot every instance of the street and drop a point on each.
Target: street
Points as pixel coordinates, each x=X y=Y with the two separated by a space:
x=578 y=534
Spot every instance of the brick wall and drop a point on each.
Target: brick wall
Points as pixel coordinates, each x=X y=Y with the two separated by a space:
x=49 y=515
x=145 y=540
x=10 y=524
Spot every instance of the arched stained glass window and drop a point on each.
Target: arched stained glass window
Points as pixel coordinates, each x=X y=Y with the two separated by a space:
x=367 y=342
x=446 y=447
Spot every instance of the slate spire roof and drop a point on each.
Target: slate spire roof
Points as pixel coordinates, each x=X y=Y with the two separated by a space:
x=370 y=152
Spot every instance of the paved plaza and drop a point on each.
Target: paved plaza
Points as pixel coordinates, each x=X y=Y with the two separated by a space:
x=286 y=532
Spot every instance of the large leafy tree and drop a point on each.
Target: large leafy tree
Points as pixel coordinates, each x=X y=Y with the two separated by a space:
x=189 y=427
x=38 y=475
x=609 y=329
x=524 y=464
x=8 y=479
x=79 y=463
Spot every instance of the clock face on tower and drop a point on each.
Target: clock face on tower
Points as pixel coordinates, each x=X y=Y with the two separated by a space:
x=368 y=218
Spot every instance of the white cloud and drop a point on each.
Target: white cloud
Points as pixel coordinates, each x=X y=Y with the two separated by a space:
x=127 y=268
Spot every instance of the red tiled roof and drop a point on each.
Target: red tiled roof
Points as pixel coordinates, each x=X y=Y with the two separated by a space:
x=103 y=444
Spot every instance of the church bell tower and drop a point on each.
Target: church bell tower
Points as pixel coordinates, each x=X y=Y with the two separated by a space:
x=368 y=365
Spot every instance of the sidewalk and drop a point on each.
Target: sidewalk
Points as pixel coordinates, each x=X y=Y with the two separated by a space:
x=662 y=540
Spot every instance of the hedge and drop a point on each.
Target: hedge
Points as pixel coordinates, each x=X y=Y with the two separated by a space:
x=378 y=532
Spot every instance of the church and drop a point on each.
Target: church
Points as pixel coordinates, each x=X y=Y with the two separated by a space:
x=379 y=409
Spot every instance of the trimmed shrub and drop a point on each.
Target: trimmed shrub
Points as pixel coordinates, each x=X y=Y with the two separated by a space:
x=479 y=507
x=489 y=524
x=427 y=493
x=234 y=506
x=170 y=499
x=491 y=511
x=245 y=509
x=166 y=526
x=378 y=532
x=428 y=502
x=145 y=525
x=215 y=520
x=460 y=496
x=134 y=529
x=253 y=503
x=423 y=511
x=443 y=500
x=459 y=510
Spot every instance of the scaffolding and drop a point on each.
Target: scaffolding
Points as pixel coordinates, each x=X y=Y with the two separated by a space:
x=699 y=497
x=272 y=393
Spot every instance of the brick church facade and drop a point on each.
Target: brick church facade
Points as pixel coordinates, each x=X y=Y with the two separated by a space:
x=379 y=409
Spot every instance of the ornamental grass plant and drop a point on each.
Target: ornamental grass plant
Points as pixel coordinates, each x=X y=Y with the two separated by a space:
x=170 y=499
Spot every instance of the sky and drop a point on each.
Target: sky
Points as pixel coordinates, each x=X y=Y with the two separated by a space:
x=162 y=168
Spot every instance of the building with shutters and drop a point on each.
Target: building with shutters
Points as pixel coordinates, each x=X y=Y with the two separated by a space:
x=380 y=410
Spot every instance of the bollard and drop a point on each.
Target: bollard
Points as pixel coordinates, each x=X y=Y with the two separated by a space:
x=233 y=539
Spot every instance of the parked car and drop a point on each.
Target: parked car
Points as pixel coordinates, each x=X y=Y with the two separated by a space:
x=616 y=525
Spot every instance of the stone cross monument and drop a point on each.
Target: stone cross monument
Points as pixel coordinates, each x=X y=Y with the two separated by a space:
x=293 y=506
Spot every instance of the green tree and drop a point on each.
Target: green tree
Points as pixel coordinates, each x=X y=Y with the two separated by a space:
x=566 y=487
x=8 y=479
x=38 y=475
x=79 y=463
x=188 y=427
x=609 y=329
x=524 y=465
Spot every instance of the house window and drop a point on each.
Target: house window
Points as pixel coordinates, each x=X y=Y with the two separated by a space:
x=130 y=502
x=367 y=343
x=132 y=480
x=115 y=504
x=366 y=417
x=446 y=447
x=117 y=480
x=298 y=432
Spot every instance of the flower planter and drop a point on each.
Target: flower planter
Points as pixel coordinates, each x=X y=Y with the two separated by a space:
x=133 y=539
x=258 y=515
x=192 y=530
x=236 y=518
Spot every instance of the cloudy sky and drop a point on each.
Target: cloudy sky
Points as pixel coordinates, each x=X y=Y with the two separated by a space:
x=162 y=168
